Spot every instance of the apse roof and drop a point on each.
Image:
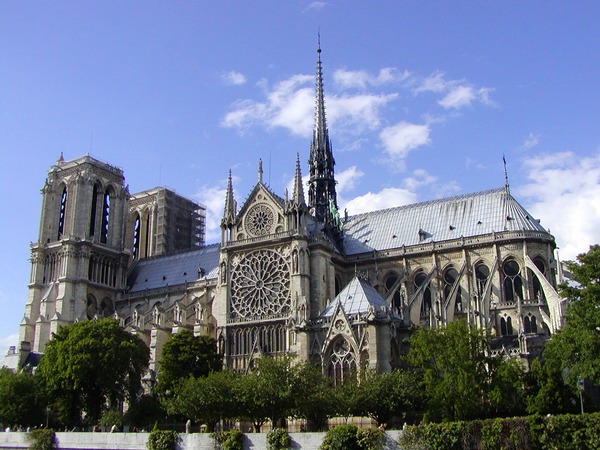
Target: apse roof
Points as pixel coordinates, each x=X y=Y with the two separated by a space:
x=174 y=269
x=437 y=220
x=357 y=297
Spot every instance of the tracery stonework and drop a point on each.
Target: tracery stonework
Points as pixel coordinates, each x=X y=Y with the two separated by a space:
x=260 y=285
x=259 y=220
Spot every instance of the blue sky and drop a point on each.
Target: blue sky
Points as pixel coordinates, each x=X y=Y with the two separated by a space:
x=423 y=100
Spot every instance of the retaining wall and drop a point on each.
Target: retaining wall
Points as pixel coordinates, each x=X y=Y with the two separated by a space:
x=195 y=441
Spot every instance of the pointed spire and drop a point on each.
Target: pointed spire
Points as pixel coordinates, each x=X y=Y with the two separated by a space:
x=229 y=210
x=298 y=193
x=321 y=193
x=260 y=171
x=506 y=185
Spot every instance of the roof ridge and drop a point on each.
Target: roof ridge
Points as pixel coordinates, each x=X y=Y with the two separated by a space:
x=434 y=201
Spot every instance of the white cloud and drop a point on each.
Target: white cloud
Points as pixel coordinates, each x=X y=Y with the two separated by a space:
x=233 y=78
x=530 y=141
x=563 y=191
x=290 y=104
x=457 y=93
x=400 y=139
x=419 y=178
x=386 y=198
x=316 y=5
x=348 y=178
x=362 y=79
x=433 y=83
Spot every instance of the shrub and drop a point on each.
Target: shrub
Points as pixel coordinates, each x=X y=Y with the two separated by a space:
x=162 y=439
x=370 y=438
x=278 y=439
x=111 y=417
x=42 y=439
x=341 y=437
x=229 y=440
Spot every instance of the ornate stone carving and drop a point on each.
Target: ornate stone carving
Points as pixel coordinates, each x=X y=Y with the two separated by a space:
x=260 y=285
x=259 y=220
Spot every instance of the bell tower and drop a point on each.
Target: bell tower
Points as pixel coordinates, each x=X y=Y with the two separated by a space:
x=79 y=263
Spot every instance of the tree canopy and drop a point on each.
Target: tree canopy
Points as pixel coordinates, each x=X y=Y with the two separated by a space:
x=461 y=381
x=91 y=366
x=19 y=400
x=185 y=355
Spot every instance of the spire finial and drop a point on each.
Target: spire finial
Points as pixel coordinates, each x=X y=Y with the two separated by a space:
x=506 y=185
x=260 y=171
x=322 y=181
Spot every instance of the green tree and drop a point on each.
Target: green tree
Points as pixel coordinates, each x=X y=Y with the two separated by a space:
x=576 y=346
x=573 y=353
x=209 y=399
x=186 y=355
x=20 y=402
x=461 y=382
x=90 y=366
x=314 y=395
x=267 y=392
x=386 y=395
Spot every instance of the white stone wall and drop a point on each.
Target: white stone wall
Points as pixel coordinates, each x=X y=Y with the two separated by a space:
x=195 y=441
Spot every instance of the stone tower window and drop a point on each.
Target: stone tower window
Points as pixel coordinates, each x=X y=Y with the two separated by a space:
x=62 y=212
x=105 y=218
x=135 y=251
x=93 y=210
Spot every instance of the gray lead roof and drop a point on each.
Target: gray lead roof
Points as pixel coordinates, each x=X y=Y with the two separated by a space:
x=175 y=269
x=437 y=220
x=357 y=297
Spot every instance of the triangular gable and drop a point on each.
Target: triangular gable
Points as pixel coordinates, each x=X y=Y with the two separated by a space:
x=358 y=297
x=259 y=188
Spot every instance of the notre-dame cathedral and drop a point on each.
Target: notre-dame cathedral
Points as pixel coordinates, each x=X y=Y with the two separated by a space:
x=292 y=274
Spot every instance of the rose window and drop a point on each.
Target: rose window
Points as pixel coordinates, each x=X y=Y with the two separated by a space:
x=259 y=220
x=260 y=285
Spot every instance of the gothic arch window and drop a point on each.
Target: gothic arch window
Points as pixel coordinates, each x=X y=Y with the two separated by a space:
x=530 y=324
x=338 y=285
x=506 y=328
x=482 y=273
x=342 y=365
x=135 y=251
x=62 y=213
x=105 y=216
x=389 y=283
x=105 y=308
x=92 y=306
x=513 y=284
x=93 y=210
x=419 y=280
x=450 y=278
x=538 y=292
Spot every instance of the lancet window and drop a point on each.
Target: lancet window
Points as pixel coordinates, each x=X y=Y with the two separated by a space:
x=513 y=285
x=93 y=210
x=482 y=273
x=530 y=324
x=268 y=339
x=389 y=283
x=62 y=212
x=105 y=217
x=538 y=292
x=506 y=328
x=450 y=278
x=419 y=280
x=135 y=251
x=342 y=365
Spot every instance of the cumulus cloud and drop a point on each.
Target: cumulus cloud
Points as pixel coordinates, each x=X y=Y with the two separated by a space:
x=233 y=78
x=457 y=93
x=418 y=179
x=400 y=139
x=290 y=104
x=348 y=178
x=563 y=191
x=363 y=79
x=386 y=198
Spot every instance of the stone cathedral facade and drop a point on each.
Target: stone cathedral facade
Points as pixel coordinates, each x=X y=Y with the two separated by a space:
x=291 y=274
